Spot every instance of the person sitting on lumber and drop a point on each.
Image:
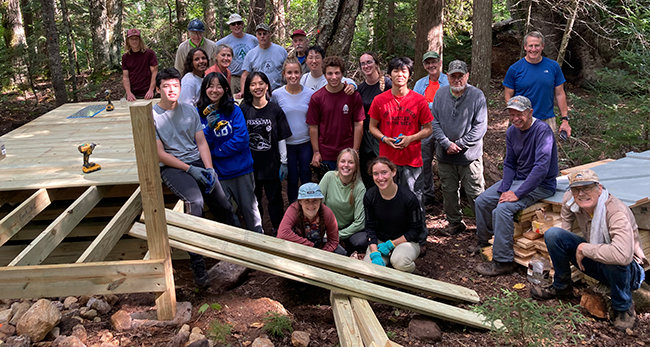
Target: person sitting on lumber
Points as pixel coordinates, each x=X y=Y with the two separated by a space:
x=393 y=219
x=609 y=250
x=185 y=160
x=529 y=172
x=310 y=223
x=343 y=191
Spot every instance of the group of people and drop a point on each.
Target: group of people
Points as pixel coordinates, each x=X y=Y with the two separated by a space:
x=376 y=141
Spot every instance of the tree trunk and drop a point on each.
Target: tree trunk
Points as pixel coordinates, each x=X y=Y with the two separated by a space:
x=429 y=32
x=30 y=52
x=390 y=44
x=99 y=30
x=256 y=15
x=567 y=34
x=336 y=25
x=12 y=22
x=69 y=40
x=53 y=54
x=181 y=21
x=208 y=19
x=481 y=45
x=115 y=36
x=278 y=21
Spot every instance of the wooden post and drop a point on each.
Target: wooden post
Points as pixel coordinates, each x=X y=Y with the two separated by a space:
x=146 y=155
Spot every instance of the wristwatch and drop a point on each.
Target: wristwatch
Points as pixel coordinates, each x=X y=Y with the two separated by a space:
x=565 y=118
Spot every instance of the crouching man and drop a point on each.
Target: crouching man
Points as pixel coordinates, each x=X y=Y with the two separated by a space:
x=609 y=252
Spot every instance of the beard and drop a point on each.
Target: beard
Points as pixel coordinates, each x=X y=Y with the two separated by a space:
x=458 y=89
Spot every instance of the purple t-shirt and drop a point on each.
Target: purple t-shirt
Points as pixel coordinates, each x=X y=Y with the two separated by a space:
x=139 y=66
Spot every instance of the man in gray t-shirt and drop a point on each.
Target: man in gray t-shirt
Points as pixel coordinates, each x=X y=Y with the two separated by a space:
x=267 y=57
x=241 y=44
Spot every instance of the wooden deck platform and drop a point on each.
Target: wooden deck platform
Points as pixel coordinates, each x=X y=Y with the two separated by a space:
x=43 y=153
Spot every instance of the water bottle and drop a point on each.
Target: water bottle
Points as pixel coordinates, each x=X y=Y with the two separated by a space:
x=539 y=270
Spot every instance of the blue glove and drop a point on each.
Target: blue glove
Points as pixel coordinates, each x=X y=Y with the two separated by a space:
x=284 y=172
x=213 y=118
x=211 y=175
x=397 y=139
x=197 y=174
x=386 y=247
x=376 y=259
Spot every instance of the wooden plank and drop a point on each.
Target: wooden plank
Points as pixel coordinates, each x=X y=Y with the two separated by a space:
x=346 y=325
x=642 y=216
x=83 y=229
x=21 y=215
x=146 y=154
x=369 y=326
x=179 y=207
x=82 y=279
x=47 y=241
x=585 y=166
x=323 y=259
x=118 y=226
x=324 y=278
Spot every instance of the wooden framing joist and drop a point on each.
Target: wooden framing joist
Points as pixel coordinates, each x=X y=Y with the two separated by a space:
x=25 y=212
x=346 y=324
x=369 y=326
x=322 y=258
x=82 y=279
x=260 y=260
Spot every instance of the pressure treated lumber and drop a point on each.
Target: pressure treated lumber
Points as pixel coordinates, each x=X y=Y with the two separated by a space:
x=323 y=259
x=369 y=326
x=47 y=241
x=111 y=234
x=346 y=324
x=146 y=154
x=327 y=279
x=82 y=279
x=21 y=215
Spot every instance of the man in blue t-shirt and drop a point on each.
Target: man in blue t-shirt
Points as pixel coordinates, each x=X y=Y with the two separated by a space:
x=529 y=172
x=540 y=80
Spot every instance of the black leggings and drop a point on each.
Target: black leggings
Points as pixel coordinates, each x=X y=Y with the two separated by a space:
x=273 y=188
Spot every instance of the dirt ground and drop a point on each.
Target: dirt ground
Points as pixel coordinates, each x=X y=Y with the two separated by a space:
x=245 y=306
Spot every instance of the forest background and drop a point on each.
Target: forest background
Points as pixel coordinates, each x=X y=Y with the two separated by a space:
x=58 y=51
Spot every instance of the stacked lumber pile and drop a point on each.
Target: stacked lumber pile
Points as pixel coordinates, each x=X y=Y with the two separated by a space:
x=356 y=323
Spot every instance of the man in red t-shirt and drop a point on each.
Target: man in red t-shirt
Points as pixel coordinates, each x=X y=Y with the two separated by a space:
x=335 y=119
x=139 y=68
x=400 y=118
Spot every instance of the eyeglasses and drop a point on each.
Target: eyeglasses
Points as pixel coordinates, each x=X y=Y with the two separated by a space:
x=237 y=23
x=584 y=189
x=456 y=77
x=366 y=63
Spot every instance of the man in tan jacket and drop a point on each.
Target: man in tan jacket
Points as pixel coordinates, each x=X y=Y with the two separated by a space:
x=610 y=250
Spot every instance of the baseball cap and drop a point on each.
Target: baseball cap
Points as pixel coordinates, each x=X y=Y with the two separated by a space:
x=430 y=54
x=582 y=178
x=262 y=26
x=234 y=18
x=299 y=32
x=309 y=191
x=457 y=66
x=196 y=25
x=132 y=32
x=519 y=103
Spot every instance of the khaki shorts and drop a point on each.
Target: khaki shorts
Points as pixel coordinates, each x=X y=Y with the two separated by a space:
x=550 y=121
x=235 y=84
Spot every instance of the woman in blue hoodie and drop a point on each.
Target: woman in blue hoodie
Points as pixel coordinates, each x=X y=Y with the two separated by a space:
x=226 y=132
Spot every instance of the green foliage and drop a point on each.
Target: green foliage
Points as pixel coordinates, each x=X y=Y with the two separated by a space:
x=215 y=306
x=276 y=324
x=391 y=335
x=531 y=323
x=218 y=331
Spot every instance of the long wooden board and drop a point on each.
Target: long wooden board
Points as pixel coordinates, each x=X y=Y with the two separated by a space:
x=21 y=215
x=329 y=280
x=346 y=324
x=322 y=258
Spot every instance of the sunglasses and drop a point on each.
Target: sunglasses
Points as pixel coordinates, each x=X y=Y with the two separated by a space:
x=584 y=189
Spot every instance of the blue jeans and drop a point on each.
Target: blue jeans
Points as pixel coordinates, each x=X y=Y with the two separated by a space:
x=496 y=218
x=298 y=160
x=622 y=279
x=331 y=164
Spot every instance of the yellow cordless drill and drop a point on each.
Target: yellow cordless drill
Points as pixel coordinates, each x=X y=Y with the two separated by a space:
x=87 y=149
x=107 y=96
x=217 y=123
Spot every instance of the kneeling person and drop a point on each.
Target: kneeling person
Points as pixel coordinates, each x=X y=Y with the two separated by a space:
x=609 y=252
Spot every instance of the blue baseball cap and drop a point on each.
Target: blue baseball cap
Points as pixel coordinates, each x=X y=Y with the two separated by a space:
x=309 y=191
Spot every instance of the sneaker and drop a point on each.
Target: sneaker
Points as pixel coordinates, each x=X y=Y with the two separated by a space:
x=202 y=281
x=495 y=268
x=550 y=292
x=624 y=320
x=453 y=229
x=477 y=247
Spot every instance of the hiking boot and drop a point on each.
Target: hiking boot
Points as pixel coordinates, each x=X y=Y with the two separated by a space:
x=550 y=292
x=624 y=320
x=453 y=229
x=477 y=247
x=202 y=281
x=495 y=268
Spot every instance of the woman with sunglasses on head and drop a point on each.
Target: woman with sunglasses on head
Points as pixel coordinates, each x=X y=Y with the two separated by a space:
x=375 y=83
x=267 y=128
x=227 y=135
x=195 y=65
x=294 y=101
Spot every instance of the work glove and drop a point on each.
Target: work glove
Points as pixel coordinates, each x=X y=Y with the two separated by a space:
x=376 y=259
x=284 y=172
x=212 y=119
x=198 y=175
x=386 y=247
x=211 y=175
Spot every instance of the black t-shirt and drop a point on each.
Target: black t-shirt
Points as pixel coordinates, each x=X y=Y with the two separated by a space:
x=368 y=94
x=266 y=127
x=390 y=219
